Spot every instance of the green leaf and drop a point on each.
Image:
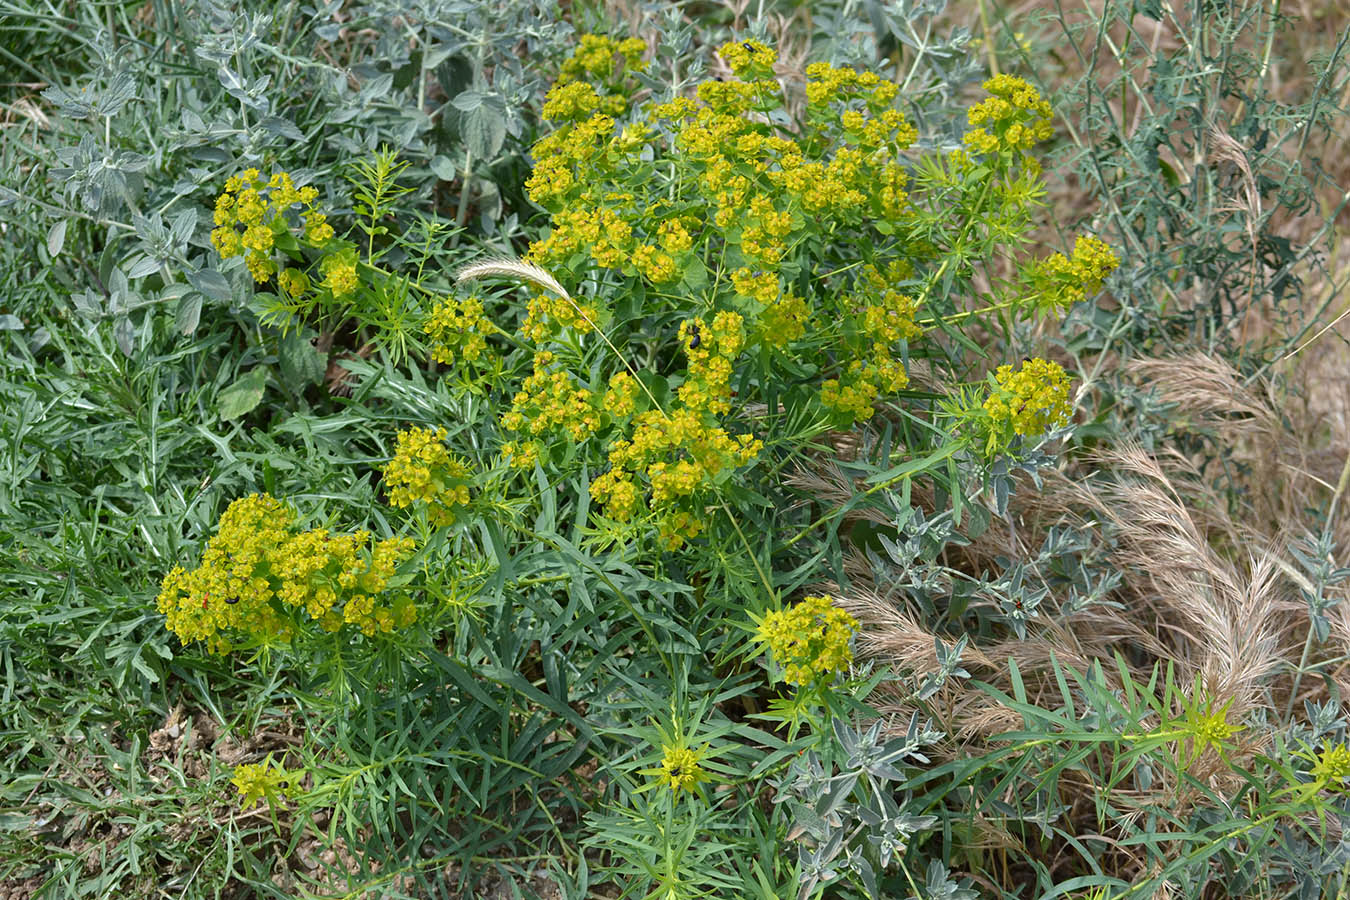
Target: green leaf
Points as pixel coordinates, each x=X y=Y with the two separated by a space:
x=443 y=168
x=56 y=238
x=915 y=466
x=1169 y=174
x=301 y=363
x=188 y=314
x=212 y=284
x=125 y=335
x=695 y=277
x=468 y=101
x=484 y=130
x=242 y=396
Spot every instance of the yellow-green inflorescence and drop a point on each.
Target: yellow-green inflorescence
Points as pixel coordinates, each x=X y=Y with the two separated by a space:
x=252 y=212
x=1013 y=118
x=1028 y=402
x=458 y=329
x=260 y=576
x=263 y=781
x=1061 y=281
x=1331 y=767
x=749 y=186
x=708 y=212
x=423 y=472
x=809 y=639
x=681 y=769
x=883 y=317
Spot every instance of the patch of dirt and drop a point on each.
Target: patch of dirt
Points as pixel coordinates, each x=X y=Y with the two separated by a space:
x=19 y=889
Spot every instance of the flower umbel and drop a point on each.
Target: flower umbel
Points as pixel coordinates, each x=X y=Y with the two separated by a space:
x=263 y=781
x=252 y=212
x=258 y=575
x=423 y=471
x=809 y=640
x=1027 y=402
x=1332 y=766
x=680 y=768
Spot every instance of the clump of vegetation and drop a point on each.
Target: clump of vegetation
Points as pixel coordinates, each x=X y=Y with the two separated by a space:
x=685 y=467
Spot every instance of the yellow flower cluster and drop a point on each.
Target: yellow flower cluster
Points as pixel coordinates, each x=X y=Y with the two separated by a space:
x=1332 y=766
x=423 y=471
x=682 y=451
x=610 y=241
x=251 y=212
x=263 y=781
x=784 y=316
x=457 y=328
x=568 y=158
x=546 y=313
x=680 y=768
x=550 y=401
x=756 y=187
x=572 y=99
x=257 y=573
x=784 y=321
x=578 y=100
x=1031 y=400
x=751 y=191
x=339 y=273
x=809 y=639
x=826 y=84
x=293 y=281
x=748 y=58
x=883 y=318
x=622 y=397
x=856 y=393
x=1059 y=282
x=1016 y=113
x=597 y=56
x=685 y=450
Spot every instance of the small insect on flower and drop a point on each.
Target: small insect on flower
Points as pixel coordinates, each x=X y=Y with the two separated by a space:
x=680 y=768
x=749 y=47
x=695 y=339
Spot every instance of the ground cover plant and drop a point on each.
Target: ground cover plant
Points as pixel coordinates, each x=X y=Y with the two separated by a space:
x=500 y=449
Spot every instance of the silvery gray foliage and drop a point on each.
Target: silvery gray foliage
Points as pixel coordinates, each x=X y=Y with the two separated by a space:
x=488 y=64
x=949 y=666
x=454 y=85
x=1316 y=554
x=1070 y=565
x=847 y=806
x=938 y=885
x=103 y=178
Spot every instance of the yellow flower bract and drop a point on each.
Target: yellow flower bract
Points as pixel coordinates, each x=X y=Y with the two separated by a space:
x=1031 y=400
x=423 y=472
x=258 y=574
x=680 y=769
x=251 y=212
x=809 y=639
